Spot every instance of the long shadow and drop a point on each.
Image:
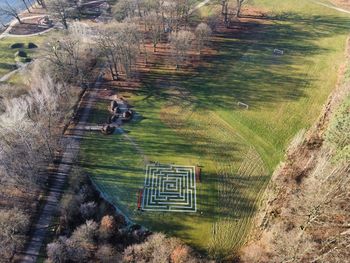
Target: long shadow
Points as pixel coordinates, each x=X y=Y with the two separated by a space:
x=8 y=66
x=245 y=68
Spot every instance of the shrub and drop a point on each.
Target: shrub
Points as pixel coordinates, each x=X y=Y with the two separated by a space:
x=57 y=251
x=13 y=224
x=86 y=233
x=107 y=227
x=78 y=248
x=67 y=250
x=21 y=53
x=78 y=251
x=158 y=248
x=338 y=133
x=32 y=45
x=107 y=254
x=69 y=208
x=181 y=254
x=88 y=210
x=16 y=45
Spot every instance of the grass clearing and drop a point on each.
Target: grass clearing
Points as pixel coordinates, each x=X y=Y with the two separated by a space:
x=194 y=119
x=7 y=54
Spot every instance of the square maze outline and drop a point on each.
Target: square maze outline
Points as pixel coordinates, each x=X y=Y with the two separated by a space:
x=182 y=198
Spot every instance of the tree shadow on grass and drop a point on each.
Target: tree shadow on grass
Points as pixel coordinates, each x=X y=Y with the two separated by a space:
x=245 y=67
x=8 y=66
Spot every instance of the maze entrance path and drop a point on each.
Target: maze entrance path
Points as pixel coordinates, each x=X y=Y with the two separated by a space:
x=169 y=188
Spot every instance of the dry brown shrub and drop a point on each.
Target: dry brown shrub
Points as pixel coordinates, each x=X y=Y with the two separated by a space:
x=180 y=254
x=107 y=227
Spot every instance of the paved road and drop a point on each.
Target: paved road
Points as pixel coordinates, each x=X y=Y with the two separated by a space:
x=72 y=140
x=332 y=7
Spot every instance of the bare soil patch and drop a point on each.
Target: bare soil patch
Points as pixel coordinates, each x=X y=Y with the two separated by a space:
x=29 y=26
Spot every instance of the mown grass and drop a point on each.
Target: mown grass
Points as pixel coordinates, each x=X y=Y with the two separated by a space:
x=7 y=54
x=203 y=125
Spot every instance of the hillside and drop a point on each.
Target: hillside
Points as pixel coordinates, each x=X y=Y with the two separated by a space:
x=305 y=216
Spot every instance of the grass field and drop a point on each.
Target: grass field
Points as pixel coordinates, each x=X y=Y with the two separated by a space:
x=7 y=54
x=193 y=119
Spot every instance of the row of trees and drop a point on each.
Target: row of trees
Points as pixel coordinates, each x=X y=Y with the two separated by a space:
x=31 y=124
x=119 y=44
x=166 y=14
x=231 y=9
x=29 y=138
x=28 y=130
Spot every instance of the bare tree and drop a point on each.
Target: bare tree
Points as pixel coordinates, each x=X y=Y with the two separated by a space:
x=13 y=224
x=239 y=4
x=226 y=10
x=125 y=8
x=183 y=9
x=41 y=3
x=71 y=59
x=29 y=131
x=27 y=7
x=175 y=13
x=154 y=24
x=107 y=253
x=120 y=44
x=9 y=10
x=181 y=43
x=203 y=31
x=61 y=10
x=159 y=248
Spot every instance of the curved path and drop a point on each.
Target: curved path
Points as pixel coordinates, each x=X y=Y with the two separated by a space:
x=6 y=33
x=331 y=7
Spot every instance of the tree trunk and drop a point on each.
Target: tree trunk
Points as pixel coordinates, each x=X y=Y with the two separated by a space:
x=42 y=3
x=19 y=19
x=226 y=14
x=239 y=7
x=64 y=22
x=25 y=3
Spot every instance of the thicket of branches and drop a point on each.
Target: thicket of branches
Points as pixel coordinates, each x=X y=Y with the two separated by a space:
x=30 y=132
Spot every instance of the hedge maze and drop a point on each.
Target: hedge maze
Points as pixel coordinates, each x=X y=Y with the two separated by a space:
x=169 y=188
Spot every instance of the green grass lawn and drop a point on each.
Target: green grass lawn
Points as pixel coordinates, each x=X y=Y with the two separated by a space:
x=194 y=119
x=7 y=54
